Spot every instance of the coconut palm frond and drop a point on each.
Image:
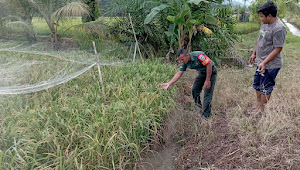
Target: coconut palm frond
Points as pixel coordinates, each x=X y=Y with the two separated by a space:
x=38 y=8
x=11 y=18
x=99 y=25
x=35 y=5
x=22 y=26
x=94 y=27
x=71 y=9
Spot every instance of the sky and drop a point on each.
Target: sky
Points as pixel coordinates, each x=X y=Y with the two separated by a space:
x=242 y=2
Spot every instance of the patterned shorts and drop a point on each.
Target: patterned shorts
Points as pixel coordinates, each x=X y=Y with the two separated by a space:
x=265 y=82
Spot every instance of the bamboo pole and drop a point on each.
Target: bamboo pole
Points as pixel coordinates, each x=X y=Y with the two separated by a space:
x=99 y=70
x=135 y=46
x=138 y=47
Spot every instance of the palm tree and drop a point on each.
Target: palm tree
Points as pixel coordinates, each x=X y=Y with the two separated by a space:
x=47 y=10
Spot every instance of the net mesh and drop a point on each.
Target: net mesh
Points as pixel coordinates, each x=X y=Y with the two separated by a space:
x=26 y=68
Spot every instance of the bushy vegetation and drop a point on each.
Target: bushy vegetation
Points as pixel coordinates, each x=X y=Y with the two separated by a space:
x=156 y=38
x=165 y=26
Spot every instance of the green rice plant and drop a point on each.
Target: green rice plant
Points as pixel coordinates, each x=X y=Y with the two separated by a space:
x=74 y=126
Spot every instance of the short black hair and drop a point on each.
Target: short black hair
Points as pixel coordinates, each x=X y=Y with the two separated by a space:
x=268 y=8
x=181 y=51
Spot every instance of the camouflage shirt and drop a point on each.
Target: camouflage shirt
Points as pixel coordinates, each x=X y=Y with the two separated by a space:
x=198 y=61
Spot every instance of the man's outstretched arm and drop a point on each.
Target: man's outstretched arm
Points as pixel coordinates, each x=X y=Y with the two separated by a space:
x=173 y=80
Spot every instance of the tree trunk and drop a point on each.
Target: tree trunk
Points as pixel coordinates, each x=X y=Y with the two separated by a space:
x=190 y=40
x=53 y=31
x=53 y=37
x=179 y=36
x=182 y=37
x=93 y=10
x=167 y=58
x=190 y=46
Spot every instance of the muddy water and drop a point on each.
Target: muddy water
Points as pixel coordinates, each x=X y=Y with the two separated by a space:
x=294 y=30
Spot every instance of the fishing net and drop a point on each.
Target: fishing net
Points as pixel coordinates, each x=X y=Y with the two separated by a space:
x=33 y=58
x=26 y=68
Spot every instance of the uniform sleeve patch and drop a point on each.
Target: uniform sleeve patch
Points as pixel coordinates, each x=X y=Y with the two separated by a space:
x=203 y=59
x=183 y=67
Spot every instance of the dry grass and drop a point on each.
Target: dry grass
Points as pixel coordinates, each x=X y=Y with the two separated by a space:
x=232 y=140
x=268 y=140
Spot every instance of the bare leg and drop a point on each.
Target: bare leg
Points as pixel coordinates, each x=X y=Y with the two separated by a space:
x=264 y=101
x=259 y=104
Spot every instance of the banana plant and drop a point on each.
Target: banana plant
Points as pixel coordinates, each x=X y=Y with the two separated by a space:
x=195 y=23
x=171 y=35
x=182 y=16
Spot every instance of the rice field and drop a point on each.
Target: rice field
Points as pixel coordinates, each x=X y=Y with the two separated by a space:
x=75 y=126
x=246 y=27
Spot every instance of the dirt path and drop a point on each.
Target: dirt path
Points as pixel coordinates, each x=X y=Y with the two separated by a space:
x=163 y=155
x=183 y=145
